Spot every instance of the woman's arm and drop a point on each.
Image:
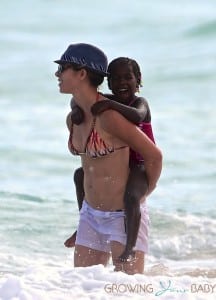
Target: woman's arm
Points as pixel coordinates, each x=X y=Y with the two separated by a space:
x=133 y=114
x=116 y=125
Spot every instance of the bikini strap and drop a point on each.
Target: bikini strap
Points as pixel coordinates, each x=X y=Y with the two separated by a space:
x=93 y=123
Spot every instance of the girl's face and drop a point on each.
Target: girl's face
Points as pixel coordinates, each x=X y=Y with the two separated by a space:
x=123 y=83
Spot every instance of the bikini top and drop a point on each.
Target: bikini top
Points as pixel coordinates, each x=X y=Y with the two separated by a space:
x=95 y=146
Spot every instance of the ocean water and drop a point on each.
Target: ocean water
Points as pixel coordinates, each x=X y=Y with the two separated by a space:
x=175 y=45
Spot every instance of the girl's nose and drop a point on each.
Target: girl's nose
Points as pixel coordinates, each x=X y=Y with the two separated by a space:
x=122 y=79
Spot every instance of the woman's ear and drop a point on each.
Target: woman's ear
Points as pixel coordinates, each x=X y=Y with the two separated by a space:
x=83 y=73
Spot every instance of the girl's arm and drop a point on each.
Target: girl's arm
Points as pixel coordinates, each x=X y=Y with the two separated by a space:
x=116 y=125
x=135 y=114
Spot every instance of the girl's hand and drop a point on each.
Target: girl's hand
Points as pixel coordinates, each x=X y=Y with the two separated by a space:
x=100 y=107
x=77 y=115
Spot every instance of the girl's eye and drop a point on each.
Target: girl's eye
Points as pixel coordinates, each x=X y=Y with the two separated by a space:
x=129 y=77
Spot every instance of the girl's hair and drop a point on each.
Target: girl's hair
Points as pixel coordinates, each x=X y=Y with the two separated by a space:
x=126 y=61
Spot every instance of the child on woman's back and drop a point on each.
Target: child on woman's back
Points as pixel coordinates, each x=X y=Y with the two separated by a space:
x=124 y=81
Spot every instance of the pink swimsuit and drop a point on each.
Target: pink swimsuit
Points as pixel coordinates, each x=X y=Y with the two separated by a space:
x=147 y=129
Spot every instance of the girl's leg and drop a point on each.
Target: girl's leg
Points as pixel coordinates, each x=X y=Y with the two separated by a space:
x=135 y=189
x=85 y=257
x=78 y=180
x=70 y=242
x=130 y=267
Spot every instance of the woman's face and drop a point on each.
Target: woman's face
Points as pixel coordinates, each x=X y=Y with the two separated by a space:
x=67 y=78
x=123 y=83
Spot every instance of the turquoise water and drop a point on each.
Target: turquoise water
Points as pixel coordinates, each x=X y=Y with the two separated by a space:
x=175 y=45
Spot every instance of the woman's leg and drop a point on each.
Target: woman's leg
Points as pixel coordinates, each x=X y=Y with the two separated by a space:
x=92 y=243
x=84 y=257
x=130 y=267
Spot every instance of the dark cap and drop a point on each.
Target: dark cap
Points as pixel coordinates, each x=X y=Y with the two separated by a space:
x=85 y=55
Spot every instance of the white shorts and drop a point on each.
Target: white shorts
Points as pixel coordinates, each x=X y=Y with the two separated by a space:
x=98 y=228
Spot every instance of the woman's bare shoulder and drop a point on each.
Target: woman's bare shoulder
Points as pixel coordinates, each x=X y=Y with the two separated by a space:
x=115 y=124
x=110 y=118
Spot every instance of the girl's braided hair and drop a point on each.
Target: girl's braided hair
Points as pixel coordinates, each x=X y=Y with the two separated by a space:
x=128 y=61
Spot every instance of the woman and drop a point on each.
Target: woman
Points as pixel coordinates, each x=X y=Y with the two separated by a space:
x=103 y=143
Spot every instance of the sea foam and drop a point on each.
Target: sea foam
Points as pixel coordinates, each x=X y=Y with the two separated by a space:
x=98 y=282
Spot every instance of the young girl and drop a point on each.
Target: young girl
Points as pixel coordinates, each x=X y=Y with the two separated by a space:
x=124 y=80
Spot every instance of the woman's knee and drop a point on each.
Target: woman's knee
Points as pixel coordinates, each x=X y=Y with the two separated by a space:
x=84 y=257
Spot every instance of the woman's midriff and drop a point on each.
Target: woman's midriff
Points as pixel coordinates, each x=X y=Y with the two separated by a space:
x=105 y=180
